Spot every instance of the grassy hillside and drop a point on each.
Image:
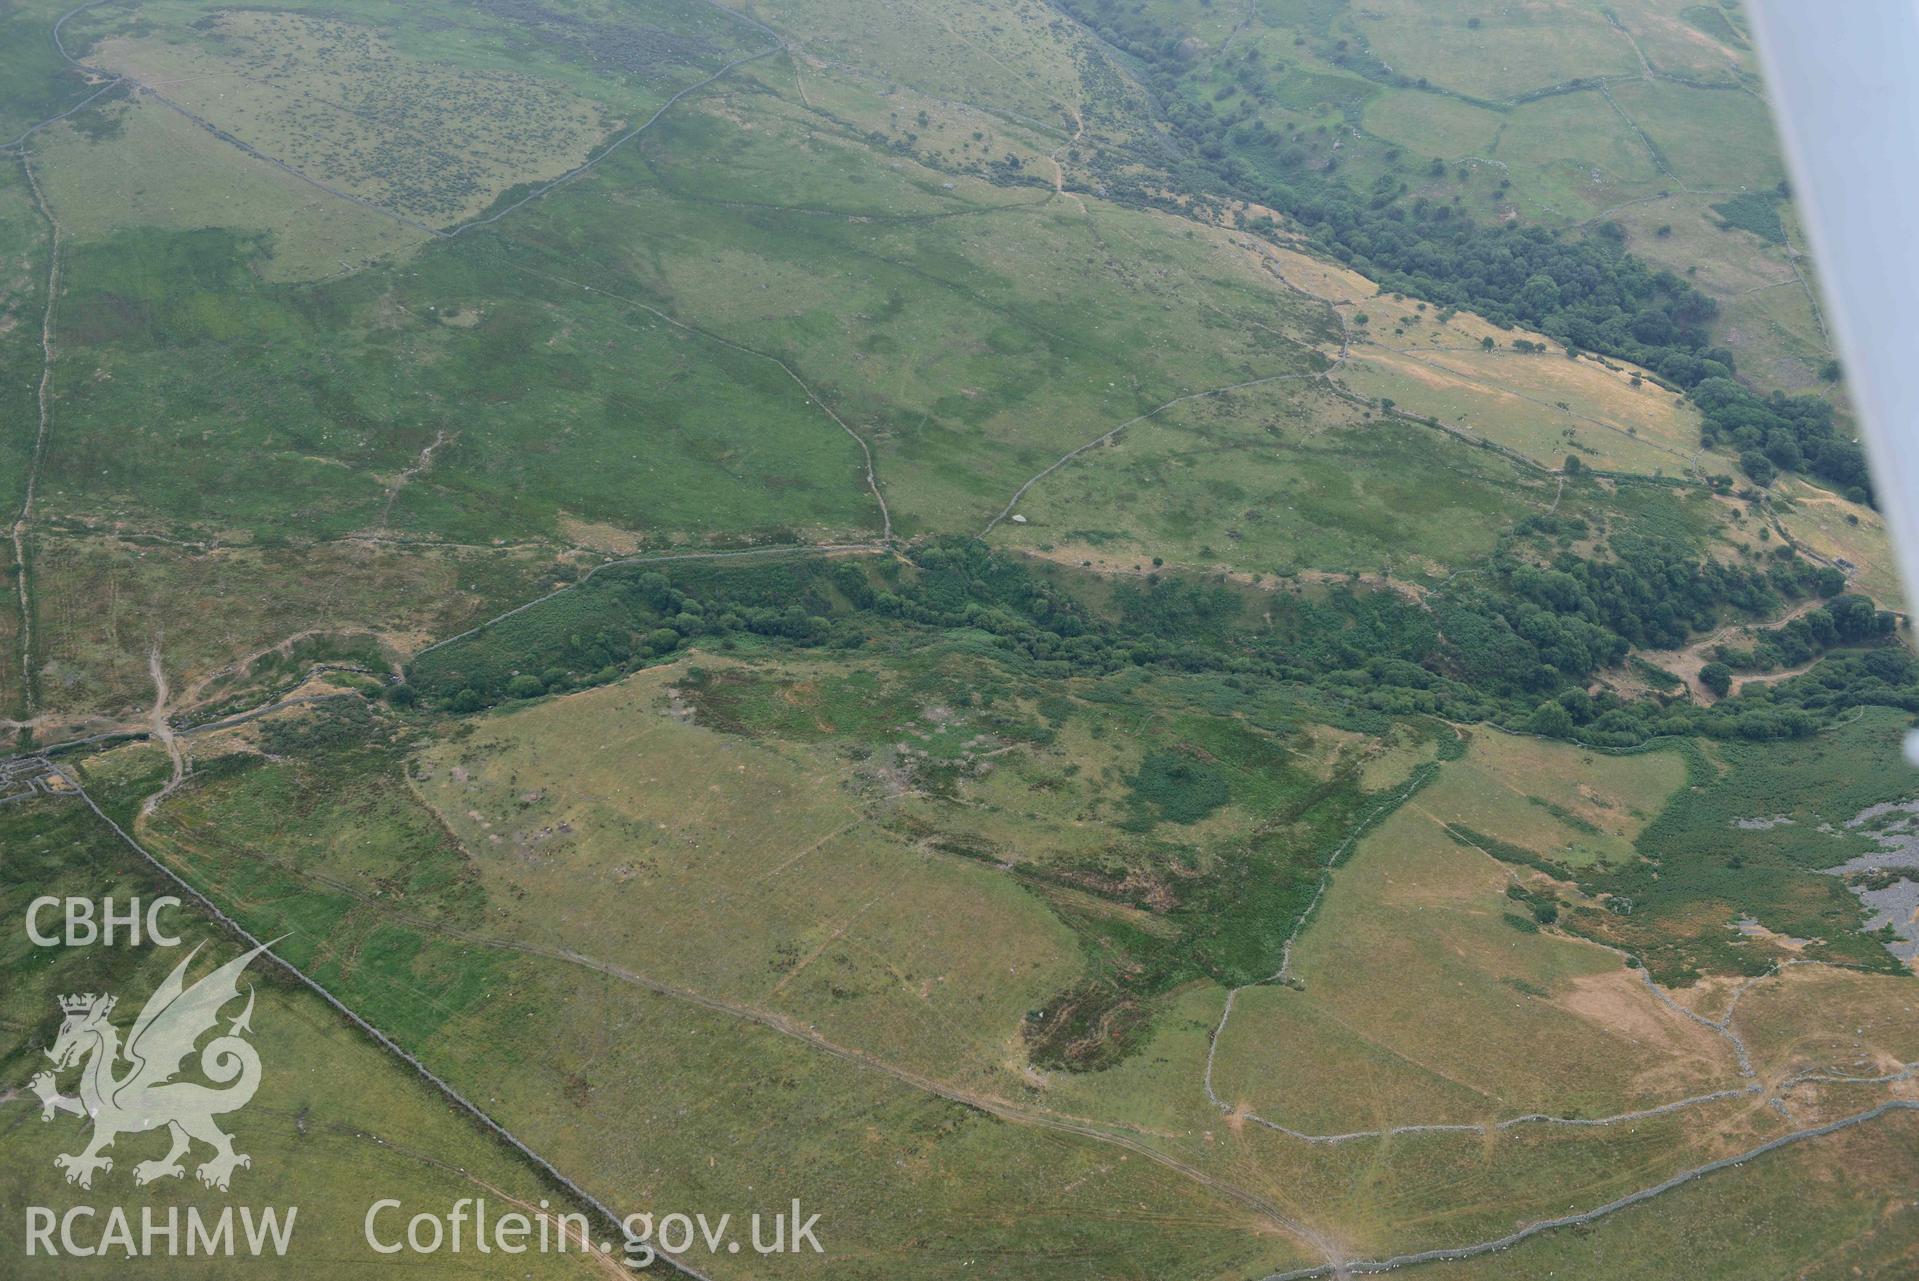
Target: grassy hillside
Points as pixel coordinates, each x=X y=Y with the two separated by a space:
x=1104 y=638
x=336 y=1121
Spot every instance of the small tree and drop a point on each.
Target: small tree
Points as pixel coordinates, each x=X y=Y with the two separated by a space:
x=1551 y=720
x=1757 y=466
x=1716 y=677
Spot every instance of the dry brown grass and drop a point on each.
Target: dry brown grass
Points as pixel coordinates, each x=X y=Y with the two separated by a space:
x=1842 y=530
x=1420 y=1003
x=102 y=603
x=746 y=869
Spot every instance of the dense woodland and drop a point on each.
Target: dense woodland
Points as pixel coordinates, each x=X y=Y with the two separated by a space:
x=1519 y=646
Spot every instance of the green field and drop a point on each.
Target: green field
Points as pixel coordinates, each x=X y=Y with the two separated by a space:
x=1077 y=632
x=337 y=1123
x=966 y=323
x=1418 y=921
x=1293 y=487
x=635 y=864
x=1697 y=881
x=133 y=163
x=449 y=952
x=1534 y=48
x=1504 y=114
x=1764 y=1218
x=1708 y=139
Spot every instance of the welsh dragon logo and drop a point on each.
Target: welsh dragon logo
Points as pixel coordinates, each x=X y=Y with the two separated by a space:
x=145 y=1096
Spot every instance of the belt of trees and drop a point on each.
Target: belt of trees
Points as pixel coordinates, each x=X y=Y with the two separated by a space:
x=1585 y=291
x=1519 y=645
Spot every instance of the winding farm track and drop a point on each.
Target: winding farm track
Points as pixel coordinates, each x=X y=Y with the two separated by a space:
x=1092 y=1131
x=447 y=233
x=768 y=1019
x=24 y=570
x=1335 y=1266
x=400 y=482
x=1283 y=976
x=986 y=1103
x=146 y=731
x=472 y=1109
x=1721 y=1027
x=794 y=1029
x=161 y=730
